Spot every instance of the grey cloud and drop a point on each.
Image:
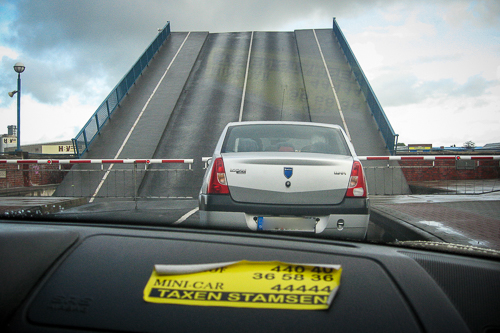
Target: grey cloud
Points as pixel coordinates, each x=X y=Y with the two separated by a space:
x=442 y=58
x=486 y=13
x=406 y=89
x=65 y=45
x=474 y=87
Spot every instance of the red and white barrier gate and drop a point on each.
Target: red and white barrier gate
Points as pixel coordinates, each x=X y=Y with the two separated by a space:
x=428 y=158
x=206 y=160
x=104 y=161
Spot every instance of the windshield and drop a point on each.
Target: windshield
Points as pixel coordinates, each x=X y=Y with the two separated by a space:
x=270 y=132
x=285 y=138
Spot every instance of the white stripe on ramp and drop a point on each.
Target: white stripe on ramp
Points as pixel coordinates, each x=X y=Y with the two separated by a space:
x=333 y=87
x=186 y=216
x=137 y=121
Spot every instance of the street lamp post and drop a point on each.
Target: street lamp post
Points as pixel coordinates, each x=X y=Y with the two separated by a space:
x=19 y=68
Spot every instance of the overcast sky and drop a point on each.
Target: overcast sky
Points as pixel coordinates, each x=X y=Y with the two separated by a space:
x=434 y=65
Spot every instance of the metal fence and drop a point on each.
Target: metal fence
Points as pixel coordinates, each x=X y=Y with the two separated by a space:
x=80 y=177
x=88 y=133
x=386 y=175
x=440 y=174
x=121 y=182
x=378 y=113
x=387 y=180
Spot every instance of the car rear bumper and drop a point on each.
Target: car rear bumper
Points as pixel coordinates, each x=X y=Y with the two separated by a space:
x=348 y=220
x=224 y=203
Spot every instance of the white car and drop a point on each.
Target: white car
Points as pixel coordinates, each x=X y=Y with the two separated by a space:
x=286 y=176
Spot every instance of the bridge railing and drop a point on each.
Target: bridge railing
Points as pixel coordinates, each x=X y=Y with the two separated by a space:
x=93 y=126
x=378 y=113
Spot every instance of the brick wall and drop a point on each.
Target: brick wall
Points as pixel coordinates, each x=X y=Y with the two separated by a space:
x=447 y=170
x=25 y=175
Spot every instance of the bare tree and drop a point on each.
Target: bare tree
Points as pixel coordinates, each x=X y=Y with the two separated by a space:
x=469 y=144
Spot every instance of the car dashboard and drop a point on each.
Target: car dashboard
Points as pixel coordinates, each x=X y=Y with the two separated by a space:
x=68 y=277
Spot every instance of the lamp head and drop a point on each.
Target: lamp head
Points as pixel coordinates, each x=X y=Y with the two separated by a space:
x=12 y=93
x=19 y=67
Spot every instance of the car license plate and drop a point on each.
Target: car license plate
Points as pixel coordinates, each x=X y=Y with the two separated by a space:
x=279 y=223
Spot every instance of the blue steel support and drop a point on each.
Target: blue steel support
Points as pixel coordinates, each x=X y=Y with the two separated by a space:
x=97 y=122
x=85 y=140
x=75 y=147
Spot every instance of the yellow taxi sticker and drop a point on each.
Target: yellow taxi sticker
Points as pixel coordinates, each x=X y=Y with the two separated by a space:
x=245 y=284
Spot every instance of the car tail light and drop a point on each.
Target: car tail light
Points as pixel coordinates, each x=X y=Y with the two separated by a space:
x=218 y=180
x=357 y=182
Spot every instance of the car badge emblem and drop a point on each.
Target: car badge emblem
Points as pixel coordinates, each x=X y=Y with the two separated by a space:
x=288 y=172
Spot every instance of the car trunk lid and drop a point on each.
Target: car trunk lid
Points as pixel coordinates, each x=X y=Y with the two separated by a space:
x=287 y=178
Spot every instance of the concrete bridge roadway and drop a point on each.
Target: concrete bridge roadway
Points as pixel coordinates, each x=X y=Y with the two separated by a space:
x=200 y=81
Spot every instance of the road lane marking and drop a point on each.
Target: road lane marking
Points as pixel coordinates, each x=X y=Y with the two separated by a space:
x=137 y=121
x=246 y=79
x=333 y=87
x=186 y=216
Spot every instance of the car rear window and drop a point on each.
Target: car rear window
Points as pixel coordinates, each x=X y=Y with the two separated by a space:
x=285 y=138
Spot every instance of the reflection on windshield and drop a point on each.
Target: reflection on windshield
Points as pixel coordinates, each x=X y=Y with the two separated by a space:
x=147 y=165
